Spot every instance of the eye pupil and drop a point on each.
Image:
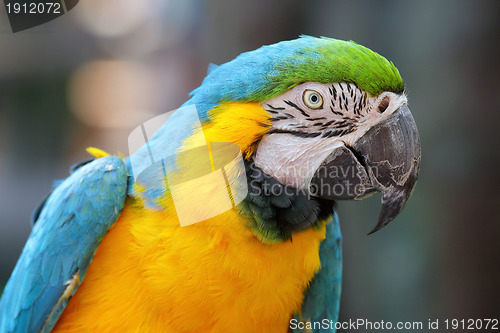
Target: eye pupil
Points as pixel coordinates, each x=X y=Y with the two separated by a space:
x=314 y=98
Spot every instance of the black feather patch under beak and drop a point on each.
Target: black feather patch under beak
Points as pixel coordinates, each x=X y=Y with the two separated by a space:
x=385 y=159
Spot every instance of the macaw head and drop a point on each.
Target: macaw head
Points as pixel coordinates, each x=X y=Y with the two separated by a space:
x=325 y=117
x=333 y=114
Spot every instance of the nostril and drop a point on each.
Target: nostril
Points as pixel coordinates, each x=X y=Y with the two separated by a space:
x=384 y=104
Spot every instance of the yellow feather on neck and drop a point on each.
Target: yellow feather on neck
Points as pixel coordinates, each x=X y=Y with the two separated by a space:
x=240 y=123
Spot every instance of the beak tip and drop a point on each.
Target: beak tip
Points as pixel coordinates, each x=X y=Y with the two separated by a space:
x=380 y=225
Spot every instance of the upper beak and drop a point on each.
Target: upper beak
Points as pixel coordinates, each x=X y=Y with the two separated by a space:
x=385 y=159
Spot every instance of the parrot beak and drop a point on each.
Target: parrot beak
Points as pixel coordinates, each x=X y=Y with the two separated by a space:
x=385 y=159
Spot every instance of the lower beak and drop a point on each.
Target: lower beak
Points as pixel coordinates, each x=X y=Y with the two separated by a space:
x=385 y=159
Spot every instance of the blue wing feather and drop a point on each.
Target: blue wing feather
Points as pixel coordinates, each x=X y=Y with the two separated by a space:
x=322 y=298
x=70 y=227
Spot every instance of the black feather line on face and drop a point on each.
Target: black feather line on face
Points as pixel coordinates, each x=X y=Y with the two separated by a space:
x=328 y=123
x=357 y=106
x=275 y=108
x=280 y=115
x=292 y=104
x=338 y=132
x=339 y=125
x=278 y=118
x=313 y=119
x=330 y=133
x=335 y=112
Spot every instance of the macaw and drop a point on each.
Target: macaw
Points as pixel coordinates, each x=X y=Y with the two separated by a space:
x=314 y=119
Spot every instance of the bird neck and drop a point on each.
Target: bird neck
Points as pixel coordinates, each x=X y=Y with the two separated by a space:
x=276 y=211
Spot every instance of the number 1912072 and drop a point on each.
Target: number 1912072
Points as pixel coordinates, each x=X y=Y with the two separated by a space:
x=34 y=8
x=471 y=324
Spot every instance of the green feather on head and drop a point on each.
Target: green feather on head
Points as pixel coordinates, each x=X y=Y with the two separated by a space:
x=334 y=61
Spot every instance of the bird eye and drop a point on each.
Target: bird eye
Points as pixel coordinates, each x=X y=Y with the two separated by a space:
x=312 y=99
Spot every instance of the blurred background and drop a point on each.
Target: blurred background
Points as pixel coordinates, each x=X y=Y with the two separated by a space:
x=91 y=76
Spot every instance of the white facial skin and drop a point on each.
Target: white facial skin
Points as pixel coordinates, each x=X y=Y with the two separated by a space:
x=311 y=120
